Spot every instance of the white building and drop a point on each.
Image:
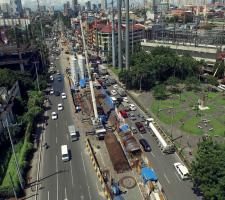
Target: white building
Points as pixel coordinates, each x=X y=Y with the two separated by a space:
x=16 y=7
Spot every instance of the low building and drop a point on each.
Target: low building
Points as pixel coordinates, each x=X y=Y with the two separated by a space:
x=7 y=97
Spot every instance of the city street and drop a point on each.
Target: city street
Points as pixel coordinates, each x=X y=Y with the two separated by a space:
x=174 y=187
x=75 y=179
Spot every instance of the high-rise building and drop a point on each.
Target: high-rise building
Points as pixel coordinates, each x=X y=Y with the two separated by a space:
x=75 y=7
x=5 y=8
x=51 y=10
x=16 y=7
x=94 y=6
x=99 y=6
x=88 y=5
x=43 y=8
x=104 y=4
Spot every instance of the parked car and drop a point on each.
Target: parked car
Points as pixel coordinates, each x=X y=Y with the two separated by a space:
x=132 y=116
x=113 y=92
x=115 y=86
x=57 y=93
x=119 y=100
x=144 y=143
x=108 y=92
x=54 y=115
x=125 y=99
x=51 y=91
x=140 y=127
x=134 y=130
x=182 y=170
x=123 y=113
x=132 y=107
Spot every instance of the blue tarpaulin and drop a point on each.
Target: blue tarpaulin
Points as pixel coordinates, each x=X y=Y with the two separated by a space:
x=108 y=100
x=148 y=174
x=124 y=127
x=103 y=119
x=82 y=83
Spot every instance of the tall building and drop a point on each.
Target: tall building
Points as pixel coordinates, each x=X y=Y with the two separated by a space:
x=75 y=7
x=43 y=8
x=104 y=4
x=66 y=7
x=5 y=9
x=16 y=7
x=88 y=5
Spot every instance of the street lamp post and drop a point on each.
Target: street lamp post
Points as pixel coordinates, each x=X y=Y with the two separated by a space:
x=16 y=161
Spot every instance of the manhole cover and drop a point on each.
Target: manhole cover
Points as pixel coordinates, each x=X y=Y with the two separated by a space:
x=128 y=182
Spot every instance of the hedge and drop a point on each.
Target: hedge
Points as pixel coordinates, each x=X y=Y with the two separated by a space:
x=23 y=149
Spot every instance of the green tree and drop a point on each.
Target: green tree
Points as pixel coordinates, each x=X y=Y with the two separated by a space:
x=192 y=83
x=172 y=82
x=159 y=91
x=208 y=170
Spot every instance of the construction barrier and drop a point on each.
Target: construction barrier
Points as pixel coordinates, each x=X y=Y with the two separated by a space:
x=97 y=169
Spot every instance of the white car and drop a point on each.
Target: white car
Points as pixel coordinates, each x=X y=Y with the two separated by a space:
x=57 y=58
x=125 y=99
x=60 y=106
x=181 y=170
x=63 y=95
x=113 y=92
x=52 y=78
x=54 y=115
x=132 y=107
x=52 y=91
x=115 y=86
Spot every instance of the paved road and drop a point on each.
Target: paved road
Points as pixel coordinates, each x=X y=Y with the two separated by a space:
x=60 y=180
x=174 y=187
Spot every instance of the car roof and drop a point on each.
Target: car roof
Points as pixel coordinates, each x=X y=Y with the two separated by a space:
x=59 y=104
x=143 y=141
x=53 y=113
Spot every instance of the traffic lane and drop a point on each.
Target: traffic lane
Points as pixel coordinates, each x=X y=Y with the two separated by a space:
x=49 y=168
x=163 y=165
x=79 y=162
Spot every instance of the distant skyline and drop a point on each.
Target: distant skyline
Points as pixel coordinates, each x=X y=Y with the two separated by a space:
x=58 y=4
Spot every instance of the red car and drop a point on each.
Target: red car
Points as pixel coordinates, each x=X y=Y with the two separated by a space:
x=140 y=127
x=124 y=114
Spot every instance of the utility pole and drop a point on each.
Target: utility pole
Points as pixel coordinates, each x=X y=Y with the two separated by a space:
x=127 y=36
x=89 y=73
x=35 y=63
x=113 y=39
x=14 y=154
x=14 y=191
x=119 y=35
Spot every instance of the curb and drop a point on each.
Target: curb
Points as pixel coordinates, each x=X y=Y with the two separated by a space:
x=97 y=170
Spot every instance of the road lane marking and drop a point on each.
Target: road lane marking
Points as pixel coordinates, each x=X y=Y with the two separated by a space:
x=65 y=195
x=89 y=193
x=166 y=178
x=56 y=141
x=178 y=177
x=138 y=185
x=153 y=154
x=71 y=171
x=48 y=194
x=102 y=159
x=67 y=137
x=56 y=124
x=83 y=164
x=57 y=179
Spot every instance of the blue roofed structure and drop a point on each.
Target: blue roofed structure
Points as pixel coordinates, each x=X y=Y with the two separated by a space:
x=124 y=127
x=82 y=83
x=148 y=175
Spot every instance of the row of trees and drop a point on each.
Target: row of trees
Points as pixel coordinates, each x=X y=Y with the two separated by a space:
x=208 y=170
x=148 y=70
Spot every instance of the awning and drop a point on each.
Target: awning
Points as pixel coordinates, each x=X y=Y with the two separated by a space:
x=148 y=174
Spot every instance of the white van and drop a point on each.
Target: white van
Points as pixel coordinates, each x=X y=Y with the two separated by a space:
x=65 y=153
x=73 y=133
x=181 y=170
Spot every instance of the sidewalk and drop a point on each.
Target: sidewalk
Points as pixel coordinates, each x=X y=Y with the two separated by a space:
x=188 y=143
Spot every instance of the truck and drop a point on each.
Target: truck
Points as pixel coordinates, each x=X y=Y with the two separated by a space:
x=74 y=135
x=165 y=143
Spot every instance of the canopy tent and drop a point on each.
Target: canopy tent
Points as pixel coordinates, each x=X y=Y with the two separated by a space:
x=148 y=174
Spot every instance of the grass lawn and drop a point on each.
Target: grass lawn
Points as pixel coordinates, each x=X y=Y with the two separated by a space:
x=183 y=110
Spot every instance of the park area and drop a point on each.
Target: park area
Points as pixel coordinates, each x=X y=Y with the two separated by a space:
x=182 y=111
